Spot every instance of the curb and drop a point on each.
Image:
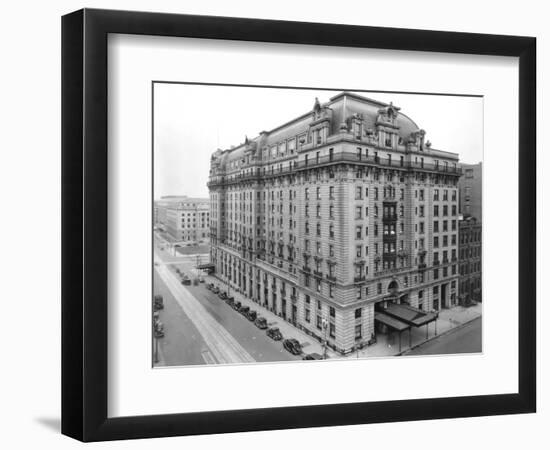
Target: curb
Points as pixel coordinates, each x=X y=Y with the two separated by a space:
x=449 y=331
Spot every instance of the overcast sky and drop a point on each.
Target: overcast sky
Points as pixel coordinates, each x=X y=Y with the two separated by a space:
x=192 y=121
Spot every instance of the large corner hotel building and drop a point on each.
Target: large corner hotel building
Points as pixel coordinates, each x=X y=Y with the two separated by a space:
x=335 y=218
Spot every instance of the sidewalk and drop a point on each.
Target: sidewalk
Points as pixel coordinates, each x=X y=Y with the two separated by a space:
x=388 y=344
x=309 y=343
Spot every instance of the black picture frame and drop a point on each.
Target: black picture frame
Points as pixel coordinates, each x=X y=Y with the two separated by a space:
x=84 y=224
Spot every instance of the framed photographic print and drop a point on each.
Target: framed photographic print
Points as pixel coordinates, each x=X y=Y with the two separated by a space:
x=274 y=224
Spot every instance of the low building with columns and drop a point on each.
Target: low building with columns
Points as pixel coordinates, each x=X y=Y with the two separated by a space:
x=342 y=221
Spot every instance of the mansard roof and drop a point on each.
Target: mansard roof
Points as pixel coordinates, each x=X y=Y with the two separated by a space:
x=342 y=106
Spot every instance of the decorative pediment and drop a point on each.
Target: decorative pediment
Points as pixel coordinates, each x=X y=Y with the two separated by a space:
x=388 y=114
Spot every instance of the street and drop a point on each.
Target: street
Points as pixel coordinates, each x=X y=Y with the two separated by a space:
x=465 y=339
x=200 y=328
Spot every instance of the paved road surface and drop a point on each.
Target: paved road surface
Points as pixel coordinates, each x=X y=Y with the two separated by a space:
x=466 y=339
x=179 y=329
x=202 y=329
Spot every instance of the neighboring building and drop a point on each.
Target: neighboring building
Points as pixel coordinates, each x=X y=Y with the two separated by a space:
x=470 y=191
x=469 y=250
x=344 y=221
x=183 y=218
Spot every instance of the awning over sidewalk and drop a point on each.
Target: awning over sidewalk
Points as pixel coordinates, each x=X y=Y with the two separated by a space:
x=208 y=266
x=409 y=315
x=390 y=321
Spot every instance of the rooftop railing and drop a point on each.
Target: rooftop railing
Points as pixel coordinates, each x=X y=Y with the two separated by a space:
x=337 y=158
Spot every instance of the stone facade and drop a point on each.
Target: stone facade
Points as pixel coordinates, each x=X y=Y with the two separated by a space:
x=332 y=215
x=184 y=219
x=470 y=190
x=469 y=248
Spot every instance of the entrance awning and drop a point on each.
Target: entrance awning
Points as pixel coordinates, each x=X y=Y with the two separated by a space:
x=390 y=321
x=411 y=316
x=208 y=266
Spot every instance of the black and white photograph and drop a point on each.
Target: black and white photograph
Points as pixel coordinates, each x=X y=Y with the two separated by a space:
x=299 y=224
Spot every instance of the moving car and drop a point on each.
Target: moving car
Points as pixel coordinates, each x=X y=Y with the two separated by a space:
x=312 y=356
x=274 y=333
x=251 y=315
x=158 y=302
x=293 y=346
x=261 y=323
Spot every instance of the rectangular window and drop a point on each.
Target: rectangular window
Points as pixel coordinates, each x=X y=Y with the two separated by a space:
x=358 y=233
x=358 y=313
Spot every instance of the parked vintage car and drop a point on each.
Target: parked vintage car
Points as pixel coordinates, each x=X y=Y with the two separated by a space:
x=185 y=280
x=230 y=301
x=210 y=286
x=251 y=315
x=293 y=346
x=222 y=295
x=274 y=333
x=159 y=329
x=312 y=356
x=158 y=302
x=261 y=323
x=216 y=290
x=244 y=310
x=236 y=306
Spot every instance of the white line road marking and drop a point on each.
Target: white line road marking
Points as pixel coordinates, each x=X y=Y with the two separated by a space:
x=208 y=358
x=222 y=345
